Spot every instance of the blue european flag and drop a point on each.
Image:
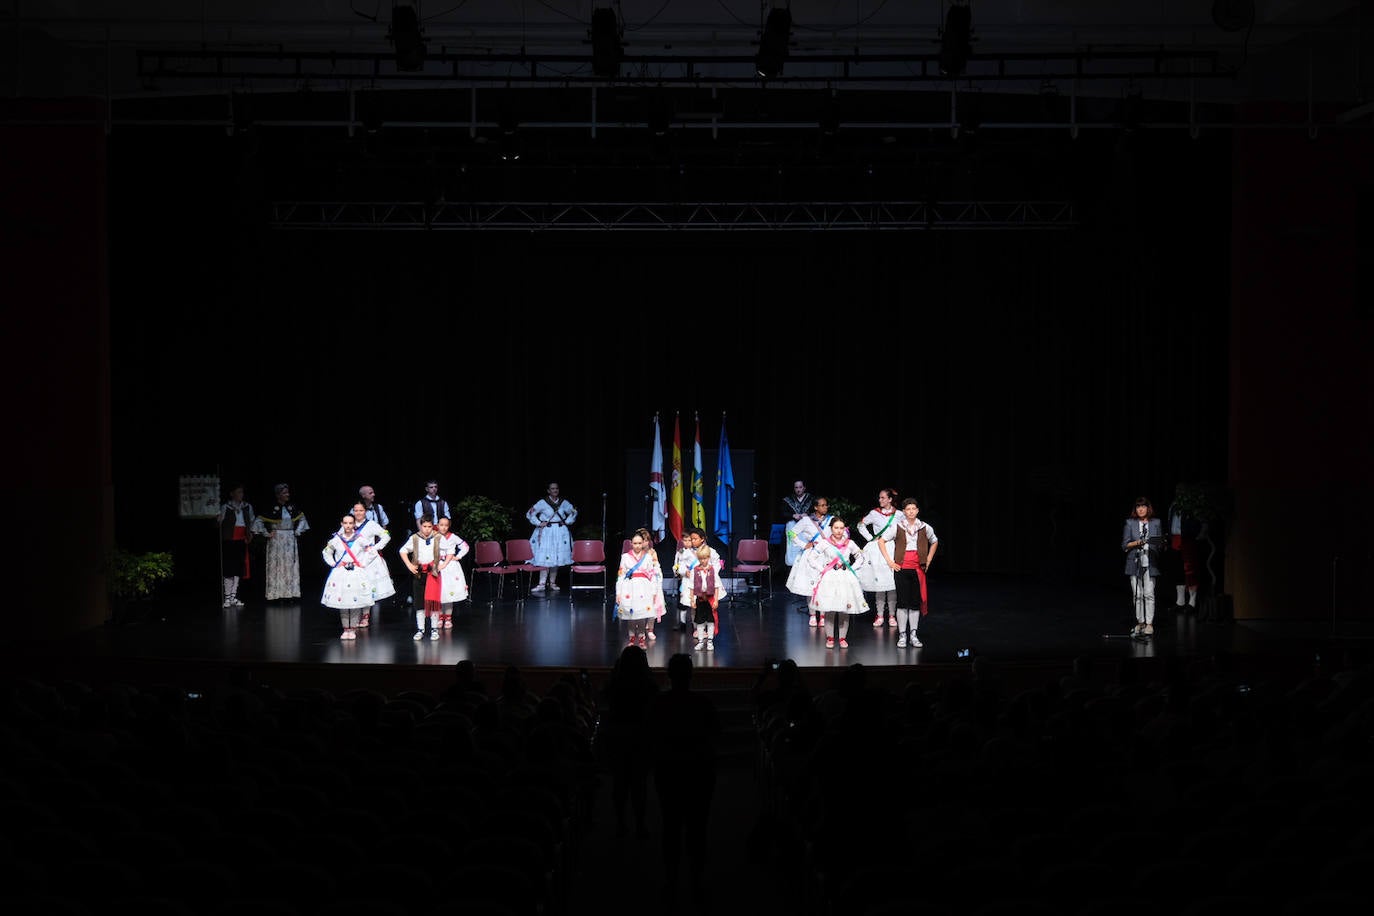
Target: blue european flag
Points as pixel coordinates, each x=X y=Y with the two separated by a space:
x=725 y=488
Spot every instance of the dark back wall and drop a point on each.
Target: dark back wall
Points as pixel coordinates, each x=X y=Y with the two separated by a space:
x=1025 y=385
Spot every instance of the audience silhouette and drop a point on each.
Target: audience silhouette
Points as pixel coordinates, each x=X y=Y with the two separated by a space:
x=1190 y=786
x=685 y=731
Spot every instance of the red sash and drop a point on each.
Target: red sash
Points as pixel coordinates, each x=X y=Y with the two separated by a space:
x=241 y=534
x=433 y=588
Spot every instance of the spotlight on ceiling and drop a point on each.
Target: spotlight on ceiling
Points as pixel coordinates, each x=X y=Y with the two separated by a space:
x=606 y=46
x=773 y=44
x=956 y=38
x=406 y=36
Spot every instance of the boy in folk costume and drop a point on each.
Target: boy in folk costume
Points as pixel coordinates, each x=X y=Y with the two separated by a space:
x=684 y=562
x=913 y=550
x=349 y=586
x=236 y=533
x=421 y=556
x=706 y=588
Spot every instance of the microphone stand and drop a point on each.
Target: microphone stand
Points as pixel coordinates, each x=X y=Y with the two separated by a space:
x=754 y=511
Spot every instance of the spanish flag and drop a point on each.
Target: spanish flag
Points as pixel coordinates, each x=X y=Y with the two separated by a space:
x=675 y=503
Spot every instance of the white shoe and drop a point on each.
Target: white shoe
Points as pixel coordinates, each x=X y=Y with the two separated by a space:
x=710 y=645
x=812 y=621
x=914 y=642
x=433 y=633
x=701 y=644
x=901 y=641
x=537 y=588
x=419 y=634
x=236 y=602
x=555 y=588
x=228 y=602
x=651 y=635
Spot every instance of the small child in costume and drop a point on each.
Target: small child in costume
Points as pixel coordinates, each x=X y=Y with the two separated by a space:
x=706 y=600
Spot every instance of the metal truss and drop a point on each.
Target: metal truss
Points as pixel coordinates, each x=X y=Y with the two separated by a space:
x=283 y=65
x=640 y=217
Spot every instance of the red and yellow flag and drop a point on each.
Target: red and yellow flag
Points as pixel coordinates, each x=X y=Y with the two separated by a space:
x=675 y=502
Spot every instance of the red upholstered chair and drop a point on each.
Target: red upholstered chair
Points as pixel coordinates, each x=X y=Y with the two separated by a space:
x=489 y=560
x=752 y=560
x=520 y=557
x=589 y=559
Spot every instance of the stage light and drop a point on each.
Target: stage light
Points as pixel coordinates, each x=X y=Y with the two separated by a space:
x=606 y=47
x=407 y=36
x=773 y=45
x=956 y=38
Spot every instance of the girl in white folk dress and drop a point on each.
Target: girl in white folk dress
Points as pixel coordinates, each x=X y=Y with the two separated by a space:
x=809 y=532
x=348 y=588
x=879 y=527
x=838 y=592
x=639 y=588
x=375 y=537
x=453 y=585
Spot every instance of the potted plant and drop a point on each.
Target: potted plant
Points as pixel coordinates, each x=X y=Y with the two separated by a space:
x=848 y=510
x=481 y=518
x=133 y=578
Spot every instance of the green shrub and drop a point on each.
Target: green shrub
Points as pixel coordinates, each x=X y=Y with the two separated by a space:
x=132 y=576
x=480 y=518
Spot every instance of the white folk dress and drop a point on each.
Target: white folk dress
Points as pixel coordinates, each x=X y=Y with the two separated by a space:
x=349 y=585
x=453 y=585
x=639 y=587
x=875 y=575
x=838 y=590
x=376 y=537
x=552 y=545
x=807 y=566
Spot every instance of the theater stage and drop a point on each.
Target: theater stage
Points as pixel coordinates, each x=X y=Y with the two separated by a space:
x=1031 y=628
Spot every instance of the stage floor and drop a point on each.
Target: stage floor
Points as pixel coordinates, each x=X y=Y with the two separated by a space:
x=1016 y=622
